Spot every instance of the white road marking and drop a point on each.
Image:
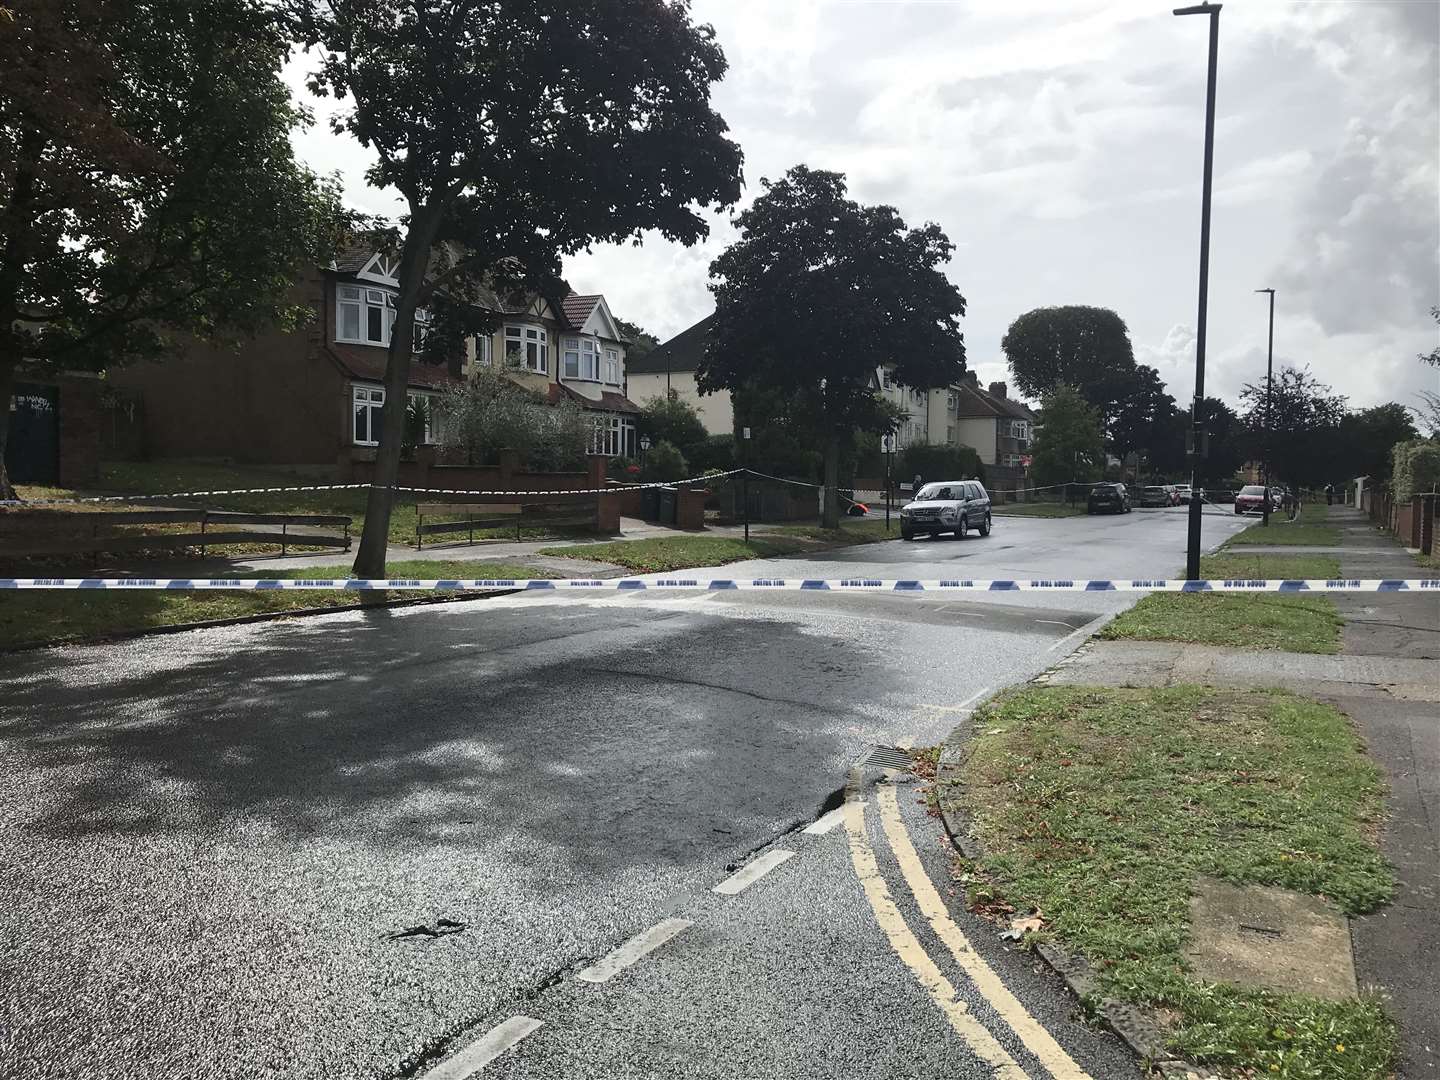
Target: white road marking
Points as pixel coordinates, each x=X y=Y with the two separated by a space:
x=971 y=1031
x=750 y=873
x=1036 y=1038
x=1084 y=631
x=974 y=697
x=823 y=824
x=640 y=945
x=1053 y=622
x=470 y=1061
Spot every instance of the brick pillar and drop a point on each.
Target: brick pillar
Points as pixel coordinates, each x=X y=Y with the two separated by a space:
x=1427 y=524
x=607 y=507
x=690 y=508
x=424 y=462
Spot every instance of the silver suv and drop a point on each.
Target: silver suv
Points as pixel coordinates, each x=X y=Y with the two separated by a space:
x=947 y=506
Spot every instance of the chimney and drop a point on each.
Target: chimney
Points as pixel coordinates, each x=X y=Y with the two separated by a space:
x=998 y=389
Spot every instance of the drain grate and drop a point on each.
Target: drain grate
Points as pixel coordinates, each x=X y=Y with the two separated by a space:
x=890 y=757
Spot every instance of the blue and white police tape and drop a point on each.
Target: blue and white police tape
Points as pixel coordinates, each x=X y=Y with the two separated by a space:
x=711 y=584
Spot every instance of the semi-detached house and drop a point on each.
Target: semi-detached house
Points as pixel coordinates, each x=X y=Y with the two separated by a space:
x=314 y=396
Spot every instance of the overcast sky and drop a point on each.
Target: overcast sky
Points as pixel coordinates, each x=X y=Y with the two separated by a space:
x=1059 y=145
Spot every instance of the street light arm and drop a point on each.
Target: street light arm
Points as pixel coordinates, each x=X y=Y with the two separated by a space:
x=1199 y=9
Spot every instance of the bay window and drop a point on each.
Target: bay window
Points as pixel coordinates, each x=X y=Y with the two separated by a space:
x=527 y=348
x=582 y=359
x=365 y=316
x=613 y=436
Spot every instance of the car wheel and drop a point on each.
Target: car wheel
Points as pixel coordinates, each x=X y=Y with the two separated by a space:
x=964 y=527
x=985 y=526
x=906 y=534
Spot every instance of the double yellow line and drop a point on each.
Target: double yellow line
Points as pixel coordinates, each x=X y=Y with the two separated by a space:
x=907 y=946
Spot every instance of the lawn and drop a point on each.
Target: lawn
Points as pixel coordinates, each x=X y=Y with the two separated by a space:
x=666 y=553
x=1283 y=533
x=31 y=616
x=851 y=531
x=1100 y=806
x=1040 y=510
x=1308 y=624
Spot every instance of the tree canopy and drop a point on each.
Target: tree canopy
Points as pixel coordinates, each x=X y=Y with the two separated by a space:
x=1073 y=345
x=516 y=131
x=642 y=342
x=818 y=293
x=1304 y=426
x=147 y=182
x=1068 y=442
x=669 y=419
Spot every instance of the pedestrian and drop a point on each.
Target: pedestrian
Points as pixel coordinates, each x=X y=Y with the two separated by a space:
x=1329 y=494
x=1291 y=504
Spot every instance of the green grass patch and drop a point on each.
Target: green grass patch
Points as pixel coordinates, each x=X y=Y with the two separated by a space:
x=1100 y=806
x=1040 y=510
x=1282 y=533
x=665 y=553
x=851 y=531
x=1307 y=624
x=27 y=617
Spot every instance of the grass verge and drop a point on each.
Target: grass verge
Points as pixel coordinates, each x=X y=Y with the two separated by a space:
x=664 y=553
x=1283 y=534
x=1307 y=624
x=27 y=617
x=851 y=531
x=1100 y=806
x=1040 y=510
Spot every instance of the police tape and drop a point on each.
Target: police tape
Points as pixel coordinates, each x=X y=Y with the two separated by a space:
x=708 y=584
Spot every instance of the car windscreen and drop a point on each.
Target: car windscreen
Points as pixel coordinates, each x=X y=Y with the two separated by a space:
x=1155 y=491
x=939 y=491
x=1252 y=489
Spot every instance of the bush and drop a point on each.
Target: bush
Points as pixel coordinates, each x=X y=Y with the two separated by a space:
x=664 y=462
x=938 y=463
x=489 y=413
x=715 y=454
x=669 y=419
x=1415 y=468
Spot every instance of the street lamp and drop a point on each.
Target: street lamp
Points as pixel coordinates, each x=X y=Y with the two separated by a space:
x=1269 y=389
x=1192 y=549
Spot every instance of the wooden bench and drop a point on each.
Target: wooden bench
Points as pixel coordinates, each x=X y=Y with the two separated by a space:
x=466 y=517
x=26 y=533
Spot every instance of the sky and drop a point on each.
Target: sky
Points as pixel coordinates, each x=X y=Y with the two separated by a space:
x=1059 y=144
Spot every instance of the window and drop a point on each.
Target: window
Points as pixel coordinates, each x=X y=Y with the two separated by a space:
x=918 y=396
x=367 y=405
x=1019 y=429
x=614 y=435
x=572 y=357
x=887 y=379
x=612 y=366
x=483 y=346
x=527 y=347
x=950 y=435
x=952 y=404
x=365 y=316
x=589 y=359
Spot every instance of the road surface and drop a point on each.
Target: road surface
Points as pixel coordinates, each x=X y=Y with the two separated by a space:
x=228 y=853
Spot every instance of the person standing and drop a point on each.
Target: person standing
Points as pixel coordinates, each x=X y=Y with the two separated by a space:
x=1329 y=494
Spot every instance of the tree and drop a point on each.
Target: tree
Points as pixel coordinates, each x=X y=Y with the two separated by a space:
x=516 y=131
x=1367 y=437
x=489 y=412
x=147 y=183
x=815 y=295
x=1068 y=442
x=642 y=342
x=1143 y=413
x=1304 y=428
x=672 y=420
x=1087 y=348
x=1433 y=356
x=664 y=461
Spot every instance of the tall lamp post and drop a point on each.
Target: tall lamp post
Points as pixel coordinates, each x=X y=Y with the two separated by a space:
x=1192 y=548
x=1269 y=389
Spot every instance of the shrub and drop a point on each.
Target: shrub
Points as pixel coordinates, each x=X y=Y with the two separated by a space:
x=664 y=462
x=1415 y=468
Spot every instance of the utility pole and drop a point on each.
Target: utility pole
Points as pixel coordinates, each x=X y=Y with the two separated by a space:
x=1192 y=547
x=1269 y=422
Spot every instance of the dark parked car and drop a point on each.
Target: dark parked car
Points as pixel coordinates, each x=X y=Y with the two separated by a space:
x=1108 y=498
x=1155 y=495
x=949 y=506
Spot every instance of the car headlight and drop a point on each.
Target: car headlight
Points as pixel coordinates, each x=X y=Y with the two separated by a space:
x=904 y=511
x=949 y=513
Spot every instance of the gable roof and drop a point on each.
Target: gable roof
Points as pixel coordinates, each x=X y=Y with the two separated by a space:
x=352 y=257
x=683 y=352
x=578 y=308
x=977 y=402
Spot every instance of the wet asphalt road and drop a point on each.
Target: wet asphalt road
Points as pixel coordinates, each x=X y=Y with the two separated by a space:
x=206 y=839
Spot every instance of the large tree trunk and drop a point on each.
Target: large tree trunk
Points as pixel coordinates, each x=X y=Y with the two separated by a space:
x=7 y=391
x=831 y=519
x=375 y=533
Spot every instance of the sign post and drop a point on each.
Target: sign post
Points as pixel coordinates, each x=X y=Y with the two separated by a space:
x=887 y=446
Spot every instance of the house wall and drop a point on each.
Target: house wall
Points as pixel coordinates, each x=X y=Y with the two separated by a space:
x=716 y=411
x=272 y=400
x=979 y=432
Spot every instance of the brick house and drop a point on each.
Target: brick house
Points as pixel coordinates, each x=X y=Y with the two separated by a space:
x=314 y=396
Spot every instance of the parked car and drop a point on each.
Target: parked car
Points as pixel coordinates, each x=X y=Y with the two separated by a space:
x=1155 y=495
x=1251 y=499
x=953 y=506
x=1108 y=497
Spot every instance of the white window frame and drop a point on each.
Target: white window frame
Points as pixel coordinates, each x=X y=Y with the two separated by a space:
x=484 y=349
x=613 y=375
x=367 y=298
x=531 y=348
x=612 y=434
x=372 y=400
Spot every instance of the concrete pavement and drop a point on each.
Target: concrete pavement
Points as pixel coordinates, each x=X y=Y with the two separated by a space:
x=212 y=838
